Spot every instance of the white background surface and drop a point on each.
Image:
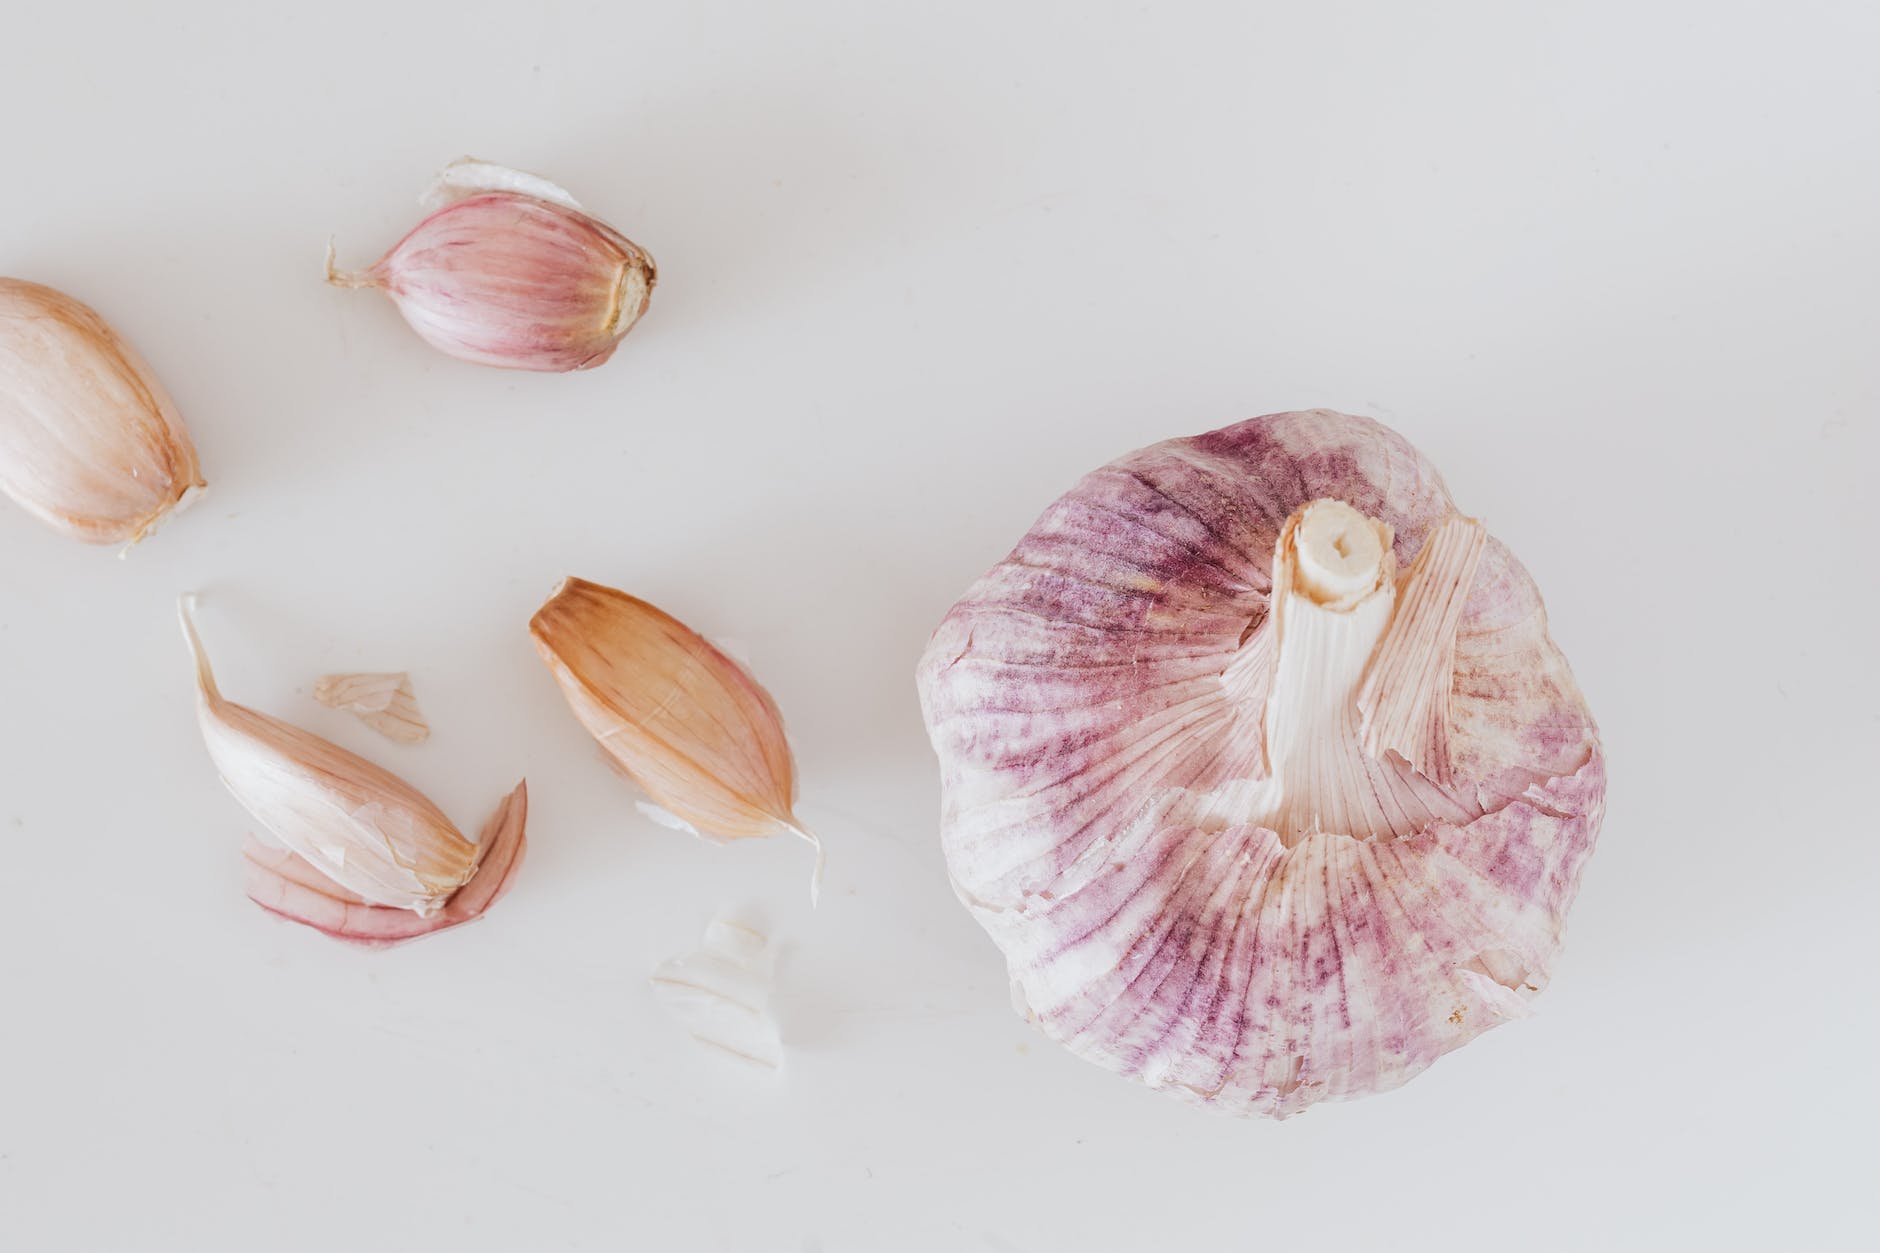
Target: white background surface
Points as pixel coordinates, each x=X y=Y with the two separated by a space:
x=1614 y=267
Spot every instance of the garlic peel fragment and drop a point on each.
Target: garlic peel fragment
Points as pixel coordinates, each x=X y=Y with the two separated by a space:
x=470 y=176
x=721 y=994
x=1249 y=828
x=90 y=443
x=683 y=720
x=284 y=883
x=383 y=701
x=357 y=823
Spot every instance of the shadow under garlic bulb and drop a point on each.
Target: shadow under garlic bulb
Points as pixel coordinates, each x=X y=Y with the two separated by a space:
x=1261 y=769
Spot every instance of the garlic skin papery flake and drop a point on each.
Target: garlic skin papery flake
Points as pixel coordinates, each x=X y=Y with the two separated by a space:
x=1260 y=767
x=682 y=719
x=375 y=837
x=90 y=443
x=508 y=271
x=384 y=702
x=721 y=994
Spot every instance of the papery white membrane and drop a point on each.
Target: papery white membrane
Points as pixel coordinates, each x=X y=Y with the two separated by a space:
x=469 y=176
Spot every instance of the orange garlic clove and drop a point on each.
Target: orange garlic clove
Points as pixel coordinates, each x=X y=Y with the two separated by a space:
x=685 y=721
x=90 y=443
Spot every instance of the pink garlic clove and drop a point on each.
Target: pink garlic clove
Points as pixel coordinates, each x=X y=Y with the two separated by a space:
x=284 y=883
x=510 y=272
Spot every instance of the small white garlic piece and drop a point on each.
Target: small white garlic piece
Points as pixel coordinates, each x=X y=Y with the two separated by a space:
x=90 y=443
x=721 y=994
x=1257 y=819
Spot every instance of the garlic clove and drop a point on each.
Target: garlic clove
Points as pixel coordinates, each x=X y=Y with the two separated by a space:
x=508 y=271
x=1193 y=767
x=685 y=721
x=284 y=883
x=384 y=702
x=357 y=823
x=90 y=443
x=721 y=994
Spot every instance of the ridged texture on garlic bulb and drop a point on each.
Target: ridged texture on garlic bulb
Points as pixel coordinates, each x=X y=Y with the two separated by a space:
x=1263 y=859
x=89 y=441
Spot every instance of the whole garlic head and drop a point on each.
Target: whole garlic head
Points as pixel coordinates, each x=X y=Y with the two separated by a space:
x=90 y=443
x=1260 y=767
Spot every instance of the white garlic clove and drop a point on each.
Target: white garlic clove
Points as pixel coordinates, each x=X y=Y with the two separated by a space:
x=90 y=443
x=356 y=823
x=284 y=883
x=1255 y=825
x=508 y=271
x=383 y=701
x=721 y=994
x=678 y=716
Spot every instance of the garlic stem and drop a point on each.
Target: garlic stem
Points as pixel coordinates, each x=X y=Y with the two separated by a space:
x=337 y=277
x=1358 y=670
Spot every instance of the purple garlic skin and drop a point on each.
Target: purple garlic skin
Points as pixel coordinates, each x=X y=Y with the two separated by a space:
x=513 y=280
x=1103 y=754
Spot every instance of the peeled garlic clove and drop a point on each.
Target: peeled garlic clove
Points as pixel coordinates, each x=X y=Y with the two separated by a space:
x=508 y=271
x=384 y=702
x=89 y=441
x=721 y=994
x=686 y=722
x=1257 y=819
x=284 y=883
x=358 y=824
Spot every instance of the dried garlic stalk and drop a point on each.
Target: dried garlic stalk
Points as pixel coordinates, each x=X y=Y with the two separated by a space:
x=508 y=271
x=90 y=443
x=377 y=839
x=686 y=722
x=1255 y=819
x=721 y=993
x=384 y=702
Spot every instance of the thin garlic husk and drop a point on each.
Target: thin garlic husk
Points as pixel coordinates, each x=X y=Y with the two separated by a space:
x=383 y=701
x=682 y=719
x=284 y=883
x=1261 y=769
x=357 y=824
x=507 y=270
x=90 y=443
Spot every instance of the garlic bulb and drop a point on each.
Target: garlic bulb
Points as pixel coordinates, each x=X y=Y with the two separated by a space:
x=357 y=824
x=686 y=722
x=89 y=441
x=1255 y=819
x=508 y=271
